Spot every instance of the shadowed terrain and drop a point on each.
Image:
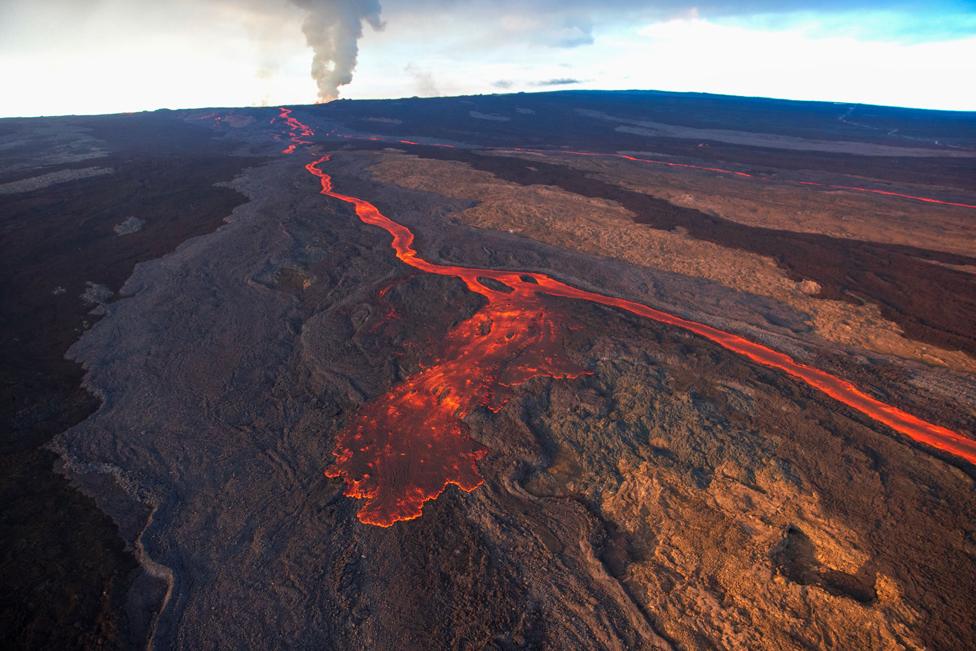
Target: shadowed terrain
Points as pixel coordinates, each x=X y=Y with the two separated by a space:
x=626 y=483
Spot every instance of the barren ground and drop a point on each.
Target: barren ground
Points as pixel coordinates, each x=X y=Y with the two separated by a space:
x=223 y=322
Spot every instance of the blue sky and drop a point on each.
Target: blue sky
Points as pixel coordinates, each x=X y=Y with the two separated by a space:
x=92 y=56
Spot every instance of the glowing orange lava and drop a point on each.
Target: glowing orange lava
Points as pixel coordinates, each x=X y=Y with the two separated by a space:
x=720 y=170
x=888 y=193
x=216 y=118
x=405 y=447
x=297 y=130
x=646 y=161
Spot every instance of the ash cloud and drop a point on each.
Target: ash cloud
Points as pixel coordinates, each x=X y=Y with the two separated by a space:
x=332 y=29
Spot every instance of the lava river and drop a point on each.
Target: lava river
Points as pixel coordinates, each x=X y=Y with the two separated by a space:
x=404 y=448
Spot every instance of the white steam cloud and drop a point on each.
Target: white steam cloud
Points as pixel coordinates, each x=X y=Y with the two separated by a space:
x=333 y=29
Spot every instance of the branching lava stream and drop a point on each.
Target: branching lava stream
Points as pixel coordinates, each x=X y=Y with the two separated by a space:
x=404 y=448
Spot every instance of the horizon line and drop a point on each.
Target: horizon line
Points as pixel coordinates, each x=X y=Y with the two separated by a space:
x=274 y=106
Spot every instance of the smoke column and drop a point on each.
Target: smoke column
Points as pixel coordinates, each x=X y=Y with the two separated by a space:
x=332 y=29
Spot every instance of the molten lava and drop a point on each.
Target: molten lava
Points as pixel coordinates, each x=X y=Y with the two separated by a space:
x=721 y=170
x=635 y=159
x=297 y=131
x=888 y=193
x=405 y=447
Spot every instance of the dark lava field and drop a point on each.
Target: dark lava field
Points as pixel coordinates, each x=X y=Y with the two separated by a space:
x=594 y=370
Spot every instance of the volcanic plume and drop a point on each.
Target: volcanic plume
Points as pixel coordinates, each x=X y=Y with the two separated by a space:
x=332 y=29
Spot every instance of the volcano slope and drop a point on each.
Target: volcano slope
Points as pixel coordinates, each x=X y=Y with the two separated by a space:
x=526 y=439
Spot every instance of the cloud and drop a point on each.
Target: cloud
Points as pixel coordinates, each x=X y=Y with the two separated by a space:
x=207 y=52
x=574 y=23
x=423 y=81
x=563 y=81
x=574 y=31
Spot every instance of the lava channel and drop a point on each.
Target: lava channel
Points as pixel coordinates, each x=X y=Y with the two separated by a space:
x=405 y=447
x=297 y=130
x=746 y=175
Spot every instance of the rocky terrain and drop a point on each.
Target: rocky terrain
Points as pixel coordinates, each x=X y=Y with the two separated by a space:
x=229 y=331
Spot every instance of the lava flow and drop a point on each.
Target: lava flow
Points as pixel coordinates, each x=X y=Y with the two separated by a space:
x=635 y=159
x=888 y=193
x=721 y=170
x=405 y=447
x=298 y=131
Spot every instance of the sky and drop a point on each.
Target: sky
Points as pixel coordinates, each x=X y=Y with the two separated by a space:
x=108 y=56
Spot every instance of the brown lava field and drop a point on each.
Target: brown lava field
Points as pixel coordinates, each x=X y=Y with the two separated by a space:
x=190 y=327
